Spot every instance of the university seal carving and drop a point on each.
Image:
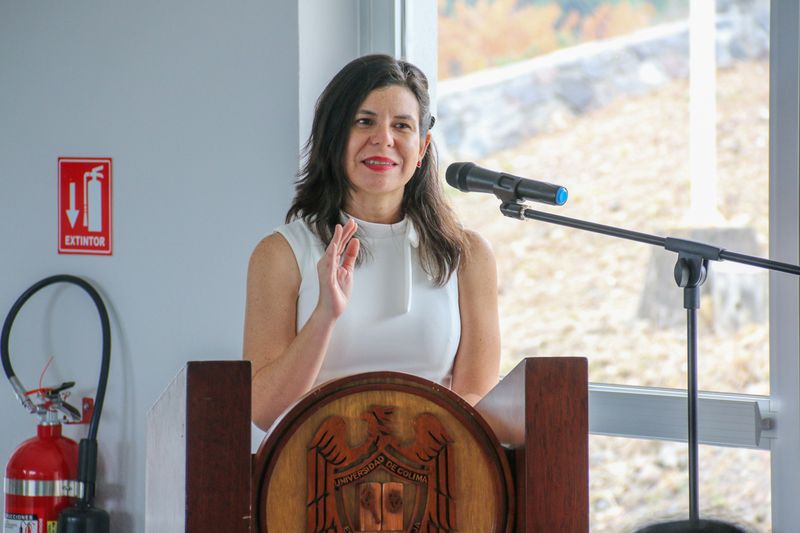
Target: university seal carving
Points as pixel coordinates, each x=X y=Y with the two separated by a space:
x=381 y=484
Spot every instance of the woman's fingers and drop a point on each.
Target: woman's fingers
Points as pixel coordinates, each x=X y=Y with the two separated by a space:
x=342 y=251
x=350 y=254
x=350 y=228
x=335 y=237
x=342 y=235
x=336 y=268
x=337 y=234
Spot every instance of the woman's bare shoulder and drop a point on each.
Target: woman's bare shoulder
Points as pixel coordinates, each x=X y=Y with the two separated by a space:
x=273 y=254
x=479 y=254
x=272 y=246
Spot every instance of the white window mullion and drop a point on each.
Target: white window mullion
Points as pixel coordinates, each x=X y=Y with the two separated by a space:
x=421 y=45
x=381 y=27
x=784 y=246
x=403 y=29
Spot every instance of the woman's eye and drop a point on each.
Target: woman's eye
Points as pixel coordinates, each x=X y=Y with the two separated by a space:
x=403 y=125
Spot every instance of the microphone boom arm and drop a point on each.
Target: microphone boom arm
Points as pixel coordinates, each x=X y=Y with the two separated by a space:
x=706 y=251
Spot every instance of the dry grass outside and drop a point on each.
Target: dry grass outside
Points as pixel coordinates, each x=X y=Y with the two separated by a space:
x=469 y=40
x=568 y=292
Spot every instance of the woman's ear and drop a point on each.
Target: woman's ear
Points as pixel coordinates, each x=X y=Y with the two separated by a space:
x=423 y=146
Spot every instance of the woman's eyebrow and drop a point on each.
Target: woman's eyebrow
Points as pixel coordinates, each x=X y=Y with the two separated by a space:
x=374 y=114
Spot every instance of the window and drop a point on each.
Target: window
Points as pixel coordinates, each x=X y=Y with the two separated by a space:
x=616 y=133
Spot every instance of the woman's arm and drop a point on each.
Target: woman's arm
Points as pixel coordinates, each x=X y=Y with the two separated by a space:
x=285 y=364
x=477 y=364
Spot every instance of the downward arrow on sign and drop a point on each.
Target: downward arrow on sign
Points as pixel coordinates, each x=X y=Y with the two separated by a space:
x=72 y=213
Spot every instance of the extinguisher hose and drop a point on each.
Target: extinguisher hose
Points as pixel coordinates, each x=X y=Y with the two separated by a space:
x=87 y=460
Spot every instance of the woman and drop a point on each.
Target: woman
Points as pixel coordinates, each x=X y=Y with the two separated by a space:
x=371 y=271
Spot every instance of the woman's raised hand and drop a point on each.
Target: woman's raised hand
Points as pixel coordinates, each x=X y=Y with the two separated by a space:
x=335 y=270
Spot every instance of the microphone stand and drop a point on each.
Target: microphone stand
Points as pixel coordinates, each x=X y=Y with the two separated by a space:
x=690 y=272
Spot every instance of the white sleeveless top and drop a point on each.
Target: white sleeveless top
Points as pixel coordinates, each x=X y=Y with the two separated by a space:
x=397 y=318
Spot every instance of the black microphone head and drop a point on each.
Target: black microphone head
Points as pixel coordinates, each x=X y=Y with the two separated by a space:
x=456 y=175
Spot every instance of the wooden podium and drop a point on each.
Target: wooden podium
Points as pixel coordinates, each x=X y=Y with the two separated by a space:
x=374 y=452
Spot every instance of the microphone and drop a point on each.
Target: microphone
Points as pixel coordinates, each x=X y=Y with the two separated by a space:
x=469 y=177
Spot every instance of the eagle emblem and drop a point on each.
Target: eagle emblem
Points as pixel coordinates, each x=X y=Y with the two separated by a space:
x=381 y=484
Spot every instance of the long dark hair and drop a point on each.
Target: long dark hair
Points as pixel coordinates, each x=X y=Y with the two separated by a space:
x=323 y=186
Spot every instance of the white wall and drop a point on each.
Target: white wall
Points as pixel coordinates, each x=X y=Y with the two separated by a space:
x=329 y=32
x=197 y=103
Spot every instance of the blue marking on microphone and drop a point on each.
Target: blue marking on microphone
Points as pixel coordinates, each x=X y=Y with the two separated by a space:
x=561 y=196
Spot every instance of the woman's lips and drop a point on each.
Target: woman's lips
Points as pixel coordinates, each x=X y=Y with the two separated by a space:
x=379 y=164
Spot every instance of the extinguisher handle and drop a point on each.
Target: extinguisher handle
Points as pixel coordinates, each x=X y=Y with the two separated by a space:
x=72 y=414
x=19 y=390
x=61 y=388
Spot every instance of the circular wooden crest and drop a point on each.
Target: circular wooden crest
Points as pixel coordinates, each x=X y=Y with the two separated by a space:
x=382 y=451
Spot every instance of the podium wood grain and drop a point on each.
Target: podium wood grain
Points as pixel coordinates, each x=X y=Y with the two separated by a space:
x=540 y=410
x=198 y=451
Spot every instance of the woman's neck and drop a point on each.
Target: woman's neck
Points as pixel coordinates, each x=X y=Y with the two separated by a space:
x=379 y=213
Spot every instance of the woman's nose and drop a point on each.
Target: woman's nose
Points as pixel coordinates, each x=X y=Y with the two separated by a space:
x=382 y=134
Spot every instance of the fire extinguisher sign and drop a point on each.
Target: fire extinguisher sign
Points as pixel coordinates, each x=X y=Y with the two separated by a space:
x=84 y=206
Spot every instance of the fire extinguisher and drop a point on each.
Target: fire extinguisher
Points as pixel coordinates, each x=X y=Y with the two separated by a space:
x=50 y=479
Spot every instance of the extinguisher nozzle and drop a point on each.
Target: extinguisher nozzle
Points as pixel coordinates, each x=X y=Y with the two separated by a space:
x=87 y=468
x=19 y=390
x=83 y=518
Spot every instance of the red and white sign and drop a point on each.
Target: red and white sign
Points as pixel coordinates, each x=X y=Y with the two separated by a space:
x=84 y=206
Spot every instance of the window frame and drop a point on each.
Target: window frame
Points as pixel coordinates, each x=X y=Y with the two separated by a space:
x=762 y=422
x=784 y=293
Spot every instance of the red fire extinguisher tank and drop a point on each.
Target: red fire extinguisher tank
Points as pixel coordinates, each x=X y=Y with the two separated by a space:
x=41 y=481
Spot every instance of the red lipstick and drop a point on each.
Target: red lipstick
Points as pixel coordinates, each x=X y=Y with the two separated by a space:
x=379 y=163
